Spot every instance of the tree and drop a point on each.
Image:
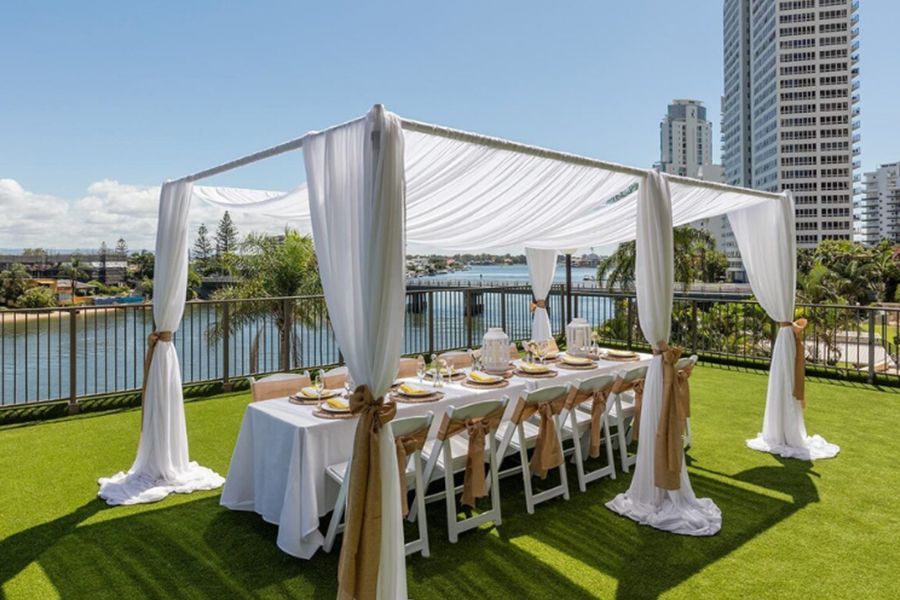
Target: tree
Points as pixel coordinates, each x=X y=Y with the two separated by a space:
x=104 y=249
x=140 y=265
x=696 y=258
x=121 y=247
x=74 y=270
x=226 y=235
x=13 y=282
x=272 y=268
x=203 y=250
x=36 y=297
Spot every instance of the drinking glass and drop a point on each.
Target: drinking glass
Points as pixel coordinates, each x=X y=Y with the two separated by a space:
x=420 y=368
x=320 y=383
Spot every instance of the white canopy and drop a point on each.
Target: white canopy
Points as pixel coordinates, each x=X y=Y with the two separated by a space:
x=465 y=191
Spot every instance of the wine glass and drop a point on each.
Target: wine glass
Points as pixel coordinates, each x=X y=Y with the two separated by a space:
x=348 y=386
x=320 y=384
x=420 y=368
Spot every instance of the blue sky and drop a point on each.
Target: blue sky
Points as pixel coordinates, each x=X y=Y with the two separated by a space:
x=100 y=101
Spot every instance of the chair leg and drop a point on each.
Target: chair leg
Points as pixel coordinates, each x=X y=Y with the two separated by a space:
x=420 y=503
x=450 y=495
x=620 y=433
x=526 y=471
x=579 y=457
x=338 y=513
x=610 y=458
x=563 y=475
x=495 y=477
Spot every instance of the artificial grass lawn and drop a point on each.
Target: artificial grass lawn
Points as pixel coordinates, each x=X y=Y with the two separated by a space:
x=791 y=529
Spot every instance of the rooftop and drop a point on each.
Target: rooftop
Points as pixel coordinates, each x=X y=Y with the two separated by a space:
x=803 y=529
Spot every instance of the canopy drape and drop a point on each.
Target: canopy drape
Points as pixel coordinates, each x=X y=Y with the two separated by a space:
x=765 y=238
x=356 y=190
x=466 y=193
x=679 y=511
x=162 y=465
x=541 y=268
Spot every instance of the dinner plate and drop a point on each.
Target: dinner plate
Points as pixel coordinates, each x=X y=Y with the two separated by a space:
x=534 y=369
x=329 y=408
x=621 y=353
x=576 y=360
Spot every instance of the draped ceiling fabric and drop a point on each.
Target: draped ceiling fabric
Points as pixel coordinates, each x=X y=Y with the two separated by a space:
x=162 y=465
x=357 y=206
x=765 y=238
x=678 y=511
x=541 y=268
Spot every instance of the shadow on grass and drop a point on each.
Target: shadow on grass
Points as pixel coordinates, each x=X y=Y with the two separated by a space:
x=571 y=549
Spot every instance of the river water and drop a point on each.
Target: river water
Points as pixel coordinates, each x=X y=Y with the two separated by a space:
x=109 y=342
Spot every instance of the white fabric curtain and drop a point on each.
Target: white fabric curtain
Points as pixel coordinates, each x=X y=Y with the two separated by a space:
x=765 y=238
x=162 y=465
x=357 y=206
x=541 y=268
x=678 y=511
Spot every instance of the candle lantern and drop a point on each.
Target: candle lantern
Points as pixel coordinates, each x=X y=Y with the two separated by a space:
x=495 y=350
x=578 y=337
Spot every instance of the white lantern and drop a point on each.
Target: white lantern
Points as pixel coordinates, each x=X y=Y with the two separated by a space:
x=495 y=350
x=578 y=336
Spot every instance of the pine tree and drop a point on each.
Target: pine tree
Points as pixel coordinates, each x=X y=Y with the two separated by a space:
x=226 y=235
x=121 y=247
x=203 y=250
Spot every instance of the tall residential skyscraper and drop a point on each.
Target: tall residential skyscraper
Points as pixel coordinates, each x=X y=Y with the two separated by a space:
x=789 y=111
x=879 y=208
x=685 y=139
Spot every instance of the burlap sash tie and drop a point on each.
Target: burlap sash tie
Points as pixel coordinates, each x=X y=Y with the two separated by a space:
x=637 y=385
x=674 y=411
x=799 y=359
x=361 y=548
x=477 y=429
x=152 y=339
x=406 y=445
x=538 y=304
x=547 y=453
x=598 y=400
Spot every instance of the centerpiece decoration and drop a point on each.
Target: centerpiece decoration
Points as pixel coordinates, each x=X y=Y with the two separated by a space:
x=578 y=337
x=495 y=350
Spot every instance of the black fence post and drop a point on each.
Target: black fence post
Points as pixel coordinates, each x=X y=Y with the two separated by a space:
x=693 y=326
x=430 y=323
x=285 y=334
x=73 y=364
x=871 y=346
x=226 y=351
x=630 y=321
x=468 y=309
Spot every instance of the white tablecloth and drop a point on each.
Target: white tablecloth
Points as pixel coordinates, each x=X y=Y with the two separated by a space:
x=282 y=451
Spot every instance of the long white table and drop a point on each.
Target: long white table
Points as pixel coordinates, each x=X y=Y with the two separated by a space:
x=282 y=451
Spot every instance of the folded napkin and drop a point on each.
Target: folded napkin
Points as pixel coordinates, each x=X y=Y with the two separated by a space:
x=483 y=377
x=310 y=392
x=576 y=360
x=413 y=390
x=338 y=403
x=534 y=368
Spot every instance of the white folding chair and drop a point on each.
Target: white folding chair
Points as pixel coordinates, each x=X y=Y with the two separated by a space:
x=410 y=426
x=278 y=385
x=526 y=435
x=576 y=424
x=626 y=392
x=335 y=378
x=449 y=454
x=458 y=359
x=682 y=364
x=407 y=368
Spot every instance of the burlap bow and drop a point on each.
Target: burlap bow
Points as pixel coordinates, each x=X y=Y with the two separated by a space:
x=538 y=304
x=477 y=429
x=361 y=548
x=674 y=411
x=407 y=444
x=637 y=385
x=799 y=359
x=598 y=400
x=547 y=452
x=152 y=339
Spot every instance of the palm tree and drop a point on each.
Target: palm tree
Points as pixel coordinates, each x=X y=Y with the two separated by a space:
x=73 y=270
x=271 y=267
x=695 y=254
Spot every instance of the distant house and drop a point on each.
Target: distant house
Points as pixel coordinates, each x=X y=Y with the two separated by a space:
x=65 y=293
x=109 y=268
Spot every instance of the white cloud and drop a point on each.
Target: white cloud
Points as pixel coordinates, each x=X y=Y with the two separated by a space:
x=109 y=210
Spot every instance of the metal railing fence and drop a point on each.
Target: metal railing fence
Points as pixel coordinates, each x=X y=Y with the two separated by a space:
x=70 y=353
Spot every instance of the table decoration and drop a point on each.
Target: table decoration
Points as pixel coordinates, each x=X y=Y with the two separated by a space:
x=578 y=337
x=494 y=355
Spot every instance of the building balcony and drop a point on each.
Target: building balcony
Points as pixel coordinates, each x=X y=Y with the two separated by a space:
x=855 y=125
x=854 y=46
x=855 y=85
x=854 y=20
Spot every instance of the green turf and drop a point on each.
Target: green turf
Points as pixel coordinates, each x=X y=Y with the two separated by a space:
x=791 y=529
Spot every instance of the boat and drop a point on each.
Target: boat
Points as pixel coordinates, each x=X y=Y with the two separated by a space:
x=589 y=278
